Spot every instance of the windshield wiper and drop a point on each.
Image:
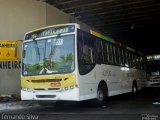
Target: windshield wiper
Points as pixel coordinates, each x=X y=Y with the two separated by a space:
x=47 y=60
x=45 y=70
x=37 y=48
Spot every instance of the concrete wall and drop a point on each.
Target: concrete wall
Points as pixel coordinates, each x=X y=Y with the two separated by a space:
x=10 y=73
x=55 y=16
x=9 y=82
x=21 y=16
x=18 y=17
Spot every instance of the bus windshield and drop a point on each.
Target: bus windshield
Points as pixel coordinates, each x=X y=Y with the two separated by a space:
x=153 y=72
x=48 y=56
x=153 y=68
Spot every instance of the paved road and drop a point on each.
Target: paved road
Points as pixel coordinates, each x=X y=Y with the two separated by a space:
x=122 y=107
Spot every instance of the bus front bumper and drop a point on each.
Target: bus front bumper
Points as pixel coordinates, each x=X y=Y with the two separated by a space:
x=155 y=83
x=70 y=95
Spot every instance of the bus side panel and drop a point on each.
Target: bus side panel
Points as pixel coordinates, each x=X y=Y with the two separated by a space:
x=119 y=80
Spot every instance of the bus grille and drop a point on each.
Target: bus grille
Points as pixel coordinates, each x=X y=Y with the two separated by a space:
x=45 y=96
x=47 y=89
x=45 y=80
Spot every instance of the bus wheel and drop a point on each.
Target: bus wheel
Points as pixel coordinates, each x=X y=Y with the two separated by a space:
x=134 y=88
x=101 y=98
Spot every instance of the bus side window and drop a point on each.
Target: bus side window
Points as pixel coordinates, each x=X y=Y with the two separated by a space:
x=88 y=49
x=86 y=52
x=126 y=58
x=130 y=59
x=134 y=60
x=114 y=55
x=110 y=54
x=118 y=58
x=137 y=62
x=122 y=57
x=99 y=51
x=142 y=63
x=105 y=52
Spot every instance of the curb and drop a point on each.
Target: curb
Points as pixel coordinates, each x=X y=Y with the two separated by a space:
x=17 y=105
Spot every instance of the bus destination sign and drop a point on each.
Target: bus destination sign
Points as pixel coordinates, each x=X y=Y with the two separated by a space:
x=153 y=57
x=50 y=31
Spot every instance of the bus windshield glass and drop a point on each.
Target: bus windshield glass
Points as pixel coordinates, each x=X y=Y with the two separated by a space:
x=48 y=56
x=153 y=72
x=153 y=68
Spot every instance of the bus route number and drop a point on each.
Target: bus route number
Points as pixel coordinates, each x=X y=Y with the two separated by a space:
x=58 y=42
x=106 y=73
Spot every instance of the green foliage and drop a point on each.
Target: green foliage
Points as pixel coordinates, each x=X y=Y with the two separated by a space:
x=68 y=57
x=33 y=68
x=48 y=63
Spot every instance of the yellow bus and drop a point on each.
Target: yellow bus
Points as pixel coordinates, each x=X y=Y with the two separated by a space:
x=153 y=70
x=63 y=62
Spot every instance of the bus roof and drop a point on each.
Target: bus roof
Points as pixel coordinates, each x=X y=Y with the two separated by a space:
x=51 y=30
x=97 y=34
x=51 y=27
x=111 y=40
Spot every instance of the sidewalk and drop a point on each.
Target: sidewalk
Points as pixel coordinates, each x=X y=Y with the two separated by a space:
x=10 y=103
x=17 y=105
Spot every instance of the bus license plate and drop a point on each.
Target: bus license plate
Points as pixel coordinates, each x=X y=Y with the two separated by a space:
x=56 y=84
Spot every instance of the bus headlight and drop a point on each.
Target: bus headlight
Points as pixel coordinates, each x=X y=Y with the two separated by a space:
x=70 y=87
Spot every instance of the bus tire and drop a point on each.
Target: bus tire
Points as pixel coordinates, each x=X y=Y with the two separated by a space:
x=101 y=96
x=134 y=88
